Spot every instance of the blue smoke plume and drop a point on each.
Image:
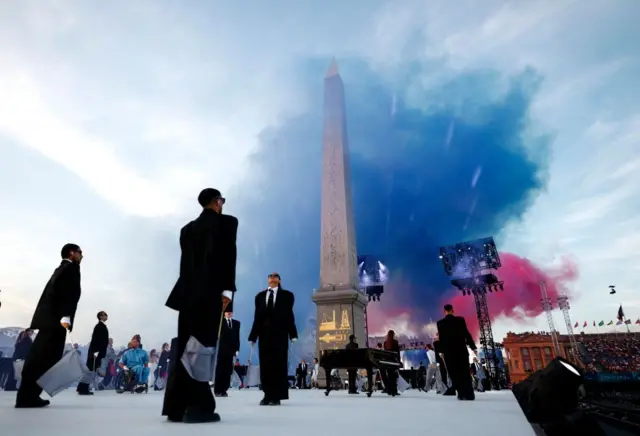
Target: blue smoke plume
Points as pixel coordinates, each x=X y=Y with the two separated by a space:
x=430 y=167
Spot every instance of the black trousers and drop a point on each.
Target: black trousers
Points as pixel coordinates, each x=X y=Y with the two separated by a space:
x=182 y=392
x=391 y=381
x=352 y=380
x=273 y=352
x=458 y=368
x=46 y=351
x=224 y=369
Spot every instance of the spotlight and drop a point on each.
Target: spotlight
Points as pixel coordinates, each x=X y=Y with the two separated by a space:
x=549 y=394
x=501 y=287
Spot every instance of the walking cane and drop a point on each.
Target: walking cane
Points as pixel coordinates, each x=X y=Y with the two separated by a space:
x=225 y=304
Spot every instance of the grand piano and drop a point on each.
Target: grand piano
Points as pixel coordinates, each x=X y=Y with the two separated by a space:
x=361 y=358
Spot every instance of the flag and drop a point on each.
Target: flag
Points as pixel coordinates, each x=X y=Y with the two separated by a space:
x=594 y=323
x=576 y=326
x=619 y=322
x=627 y=322
x=601 y=323
x=638 y=321
x=610 y=323
x=620 y=313
x=584 y=325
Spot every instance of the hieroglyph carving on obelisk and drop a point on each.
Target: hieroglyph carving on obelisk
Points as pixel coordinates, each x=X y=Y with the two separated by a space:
x=339 y=261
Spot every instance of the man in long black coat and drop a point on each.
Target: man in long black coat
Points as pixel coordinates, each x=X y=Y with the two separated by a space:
x=206 y=284
x=97 y=352
x=454 y=339
x=229 y=349
x=54 y=315
x=352 y=372
x=273 y=326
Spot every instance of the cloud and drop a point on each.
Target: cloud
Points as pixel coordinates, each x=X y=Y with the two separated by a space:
x=120 y=113
x=412 y=192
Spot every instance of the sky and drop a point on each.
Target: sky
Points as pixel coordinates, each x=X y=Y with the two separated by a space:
x=518 y=120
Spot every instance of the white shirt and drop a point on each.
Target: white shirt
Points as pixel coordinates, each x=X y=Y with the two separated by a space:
x=432 y=357
x=275 y=295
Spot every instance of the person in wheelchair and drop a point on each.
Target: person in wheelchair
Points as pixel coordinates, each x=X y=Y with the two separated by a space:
x=135 y=364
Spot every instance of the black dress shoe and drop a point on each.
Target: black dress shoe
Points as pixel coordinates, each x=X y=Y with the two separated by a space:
x=449 y=393
x=274 y=403
x=199 y=417
x=85 y=393
x=224 y=394
x=265 y=401
x=32 y=404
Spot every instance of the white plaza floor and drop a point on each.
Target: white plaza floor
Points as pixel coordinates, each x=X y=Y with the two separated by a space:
x=308 y=412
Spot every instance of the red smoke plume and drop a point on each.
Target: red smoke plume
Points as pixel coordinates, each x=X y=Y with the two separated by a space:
x=520 y=299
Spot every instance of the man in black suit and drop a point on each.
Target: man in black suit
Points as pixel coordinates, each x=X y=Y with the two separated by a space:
x=97 y=352
x=53 y=316
x=205 y=287
x=229 y=349
x=352 y=372
x=301 y=375
x=454 y=339
x=273 y=326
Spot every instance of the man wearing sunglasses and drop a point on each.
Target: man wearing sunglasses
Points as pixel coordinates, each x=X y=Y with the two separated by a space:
x=54 y=315
x=203 y=290
x=274 y=325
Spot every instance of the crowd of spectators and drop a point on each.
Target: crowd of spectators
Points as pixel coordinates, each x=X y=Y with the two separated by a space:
x=611 y=353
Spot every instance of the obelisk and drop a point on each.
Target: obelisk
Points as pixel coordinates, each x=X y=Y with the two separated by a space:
x=340 y=304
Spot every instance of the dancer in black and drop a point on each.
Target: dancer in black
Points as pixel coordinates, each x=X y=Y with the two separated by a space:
x=205 y=286
x=97 y=351
x=54 y=315
x=273 y=326
x=454 y=339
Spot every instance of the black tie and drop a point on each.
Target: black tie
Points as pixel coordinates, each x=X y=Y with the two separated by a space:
x=270 y=300
x=229 y=322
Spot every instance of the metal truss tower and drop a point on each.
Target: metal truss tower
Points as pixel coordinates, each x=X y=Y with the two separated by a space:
x=547 y=306
x=563 y=304
x=487 y=343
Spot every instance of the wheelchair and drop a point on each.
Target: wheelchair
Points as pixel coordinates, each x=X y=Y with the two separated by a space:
x=126 y=381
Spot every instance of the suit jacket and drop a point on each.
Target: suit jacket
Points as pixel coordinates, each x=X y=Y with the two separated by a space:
x=351 y=346
x=207 y=261
x=99 y=340
x=273 y=322
x=302 y=369
x=60 y=297
x=230 y=337
x=454 y=335
x=392 y=346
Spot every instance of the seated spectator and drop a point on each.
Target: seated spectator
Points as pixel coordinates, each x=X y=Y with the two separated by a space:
x=136 y=360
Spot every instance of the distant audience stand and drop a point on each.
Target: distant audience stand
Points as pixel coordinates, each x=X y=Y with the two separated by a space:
x=612 y=353
x=603 y=353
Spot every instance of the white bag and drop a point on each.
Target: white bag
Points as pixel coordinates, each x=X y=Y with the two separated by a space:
x=402 y=384
x=253 y=376
x=236 y=382
x=199 y=361
x=17 y=369
x=69 y=370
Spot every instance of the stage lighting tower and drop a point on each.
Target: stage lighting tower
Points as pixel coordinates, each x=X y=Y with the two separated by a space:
x=471 y=264
x=563 y=304
x=547 y=306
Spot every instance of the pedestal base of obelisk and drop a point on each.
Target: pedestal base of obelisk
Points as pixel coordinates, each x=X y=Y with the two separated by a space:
x=340 y=313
